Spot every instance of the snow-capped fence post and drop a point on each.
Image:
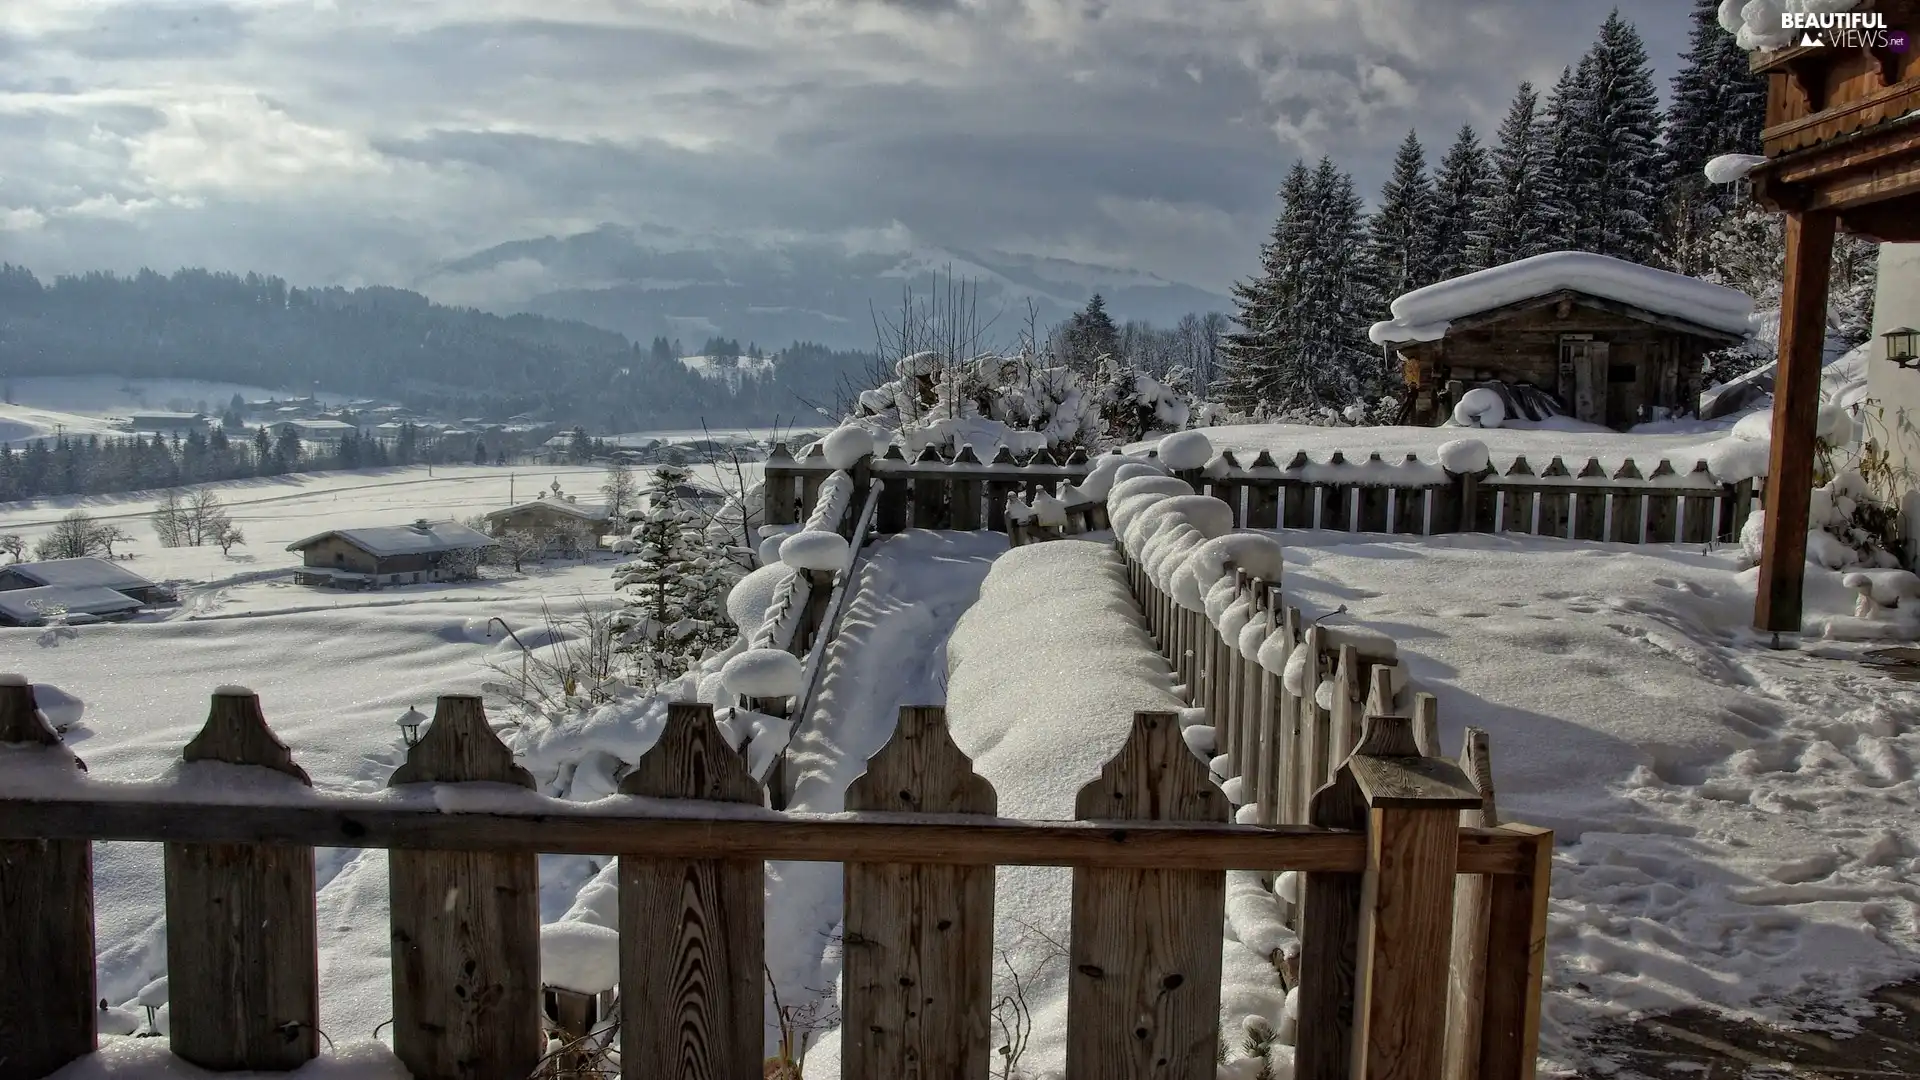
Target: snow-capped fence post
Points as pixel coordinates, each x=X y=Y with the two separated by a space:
x=46 y=890
x=816 y=474
x=1230 y=487
x=1143 y=991
x=1348 y=698
x=1316 y=723
x=1741 y=508
x=782 y=508
x=692 y=930
x=1465 y=515
x=1403 y=940
x=965 y=508
x=1263 y=494
x=1590 y=503
x=929 y=491
x=466 y=924
x=892 y=514
x=1553 y=506
x=1518 y=510
x=999 y=487
x=918 y=940
x=1663 y=508
x=1699 y=508
x=242 y=968
x=1301 y=509
x=1278 y=756
x=1370 y=513
x=1628 y=514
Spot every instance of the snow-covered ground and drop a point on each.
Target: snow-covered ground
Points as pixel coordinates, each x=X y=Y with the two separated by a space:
x=1735 y=823
x=43 y=405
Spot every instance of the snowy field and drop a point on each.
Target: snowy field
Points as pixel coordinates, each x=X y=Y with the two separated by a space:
x=40 y=406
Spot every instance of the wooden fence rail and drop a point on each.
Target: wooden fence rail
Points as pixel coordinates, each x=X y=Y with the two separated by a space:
x=1410 y=497
x=692 y=832
x=1305 y=751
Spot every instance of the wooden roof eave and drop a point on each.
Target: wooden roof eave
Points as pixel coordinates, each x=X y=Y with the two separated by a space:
x=1504 y=312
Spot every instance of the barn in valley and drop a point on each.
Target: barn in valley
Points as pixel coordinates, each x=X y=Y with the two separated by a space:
x=388 y=554
x=552 y=514
x=1567 y=333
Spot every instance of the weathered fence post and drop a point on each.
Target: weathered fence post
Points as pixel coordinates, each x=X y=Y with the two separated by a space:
x=930 y=490
x=1467 y=976
x=965 y=510
x=999 y=486
x=46 y=890
x=243 y=976
x=918 y=940
x=466 y=924
x=1404 y=945
x=1143 y=996
x=891 y=515
x=810 y=481
x=692 y=930
x=782 y=507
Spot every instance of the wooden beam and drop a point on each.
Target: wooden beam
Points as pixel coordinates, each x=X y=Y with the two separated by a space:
x=1890 y=221
x=1796 y=403
x=887 y=838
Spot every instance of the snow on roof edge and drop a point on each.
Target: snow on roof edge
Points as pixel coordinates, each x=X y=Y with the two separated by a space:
x=1423 y=314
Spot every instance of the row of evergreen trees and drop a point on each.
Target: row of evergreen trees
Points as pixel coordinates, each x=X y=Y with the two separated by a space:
x=1597 y=165
x=92 y=465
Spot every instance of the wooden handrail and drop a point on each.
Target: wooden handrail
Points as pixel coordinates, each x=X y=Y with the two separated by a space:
x=632 y=825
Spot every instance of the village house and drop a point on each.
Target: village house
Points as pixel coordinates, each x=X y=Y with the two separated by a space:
x=1567 y=333
x=81 y=590
x=374 y=557
x=166 y=422
x=550 y=512
x=84 y=573
x=316 y=430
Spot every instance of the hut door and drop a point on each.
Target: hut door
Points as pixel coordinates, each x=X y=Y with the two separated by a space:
x=1583 y=370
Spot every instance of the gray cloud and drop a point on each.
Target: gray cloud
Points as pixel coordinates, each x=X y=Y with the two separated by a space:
x=356 y=140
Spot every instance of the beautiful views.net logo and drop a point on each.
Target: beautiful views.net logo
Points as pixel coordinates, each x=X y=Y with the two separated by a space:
x=1844 y=29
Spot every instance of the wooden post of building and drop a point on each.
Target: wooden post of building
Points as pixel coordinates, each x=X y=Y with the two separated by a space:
x=466 y=924
x=243 y=977
x=1404 y=944
x=1143 y=991
x=918 y=940
x=46 y=891
x=1796 y=405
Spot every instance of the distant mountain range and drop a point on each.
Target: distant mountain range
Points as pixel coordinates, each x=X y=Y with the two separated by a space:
x=654 y=281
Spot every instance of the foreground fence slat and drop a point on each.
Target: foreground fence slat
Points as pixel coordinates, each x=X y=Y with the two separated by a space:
x=466 y=924
x=243 y=976
x=46 y=891
x=918 y=940
x=691 y=948
x=1472 y=903
x=1516 y=961
x=1143 y=996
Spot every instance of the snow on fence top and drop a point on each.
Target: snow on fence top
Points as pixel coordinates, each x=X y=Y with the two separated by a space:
x=1424 y=314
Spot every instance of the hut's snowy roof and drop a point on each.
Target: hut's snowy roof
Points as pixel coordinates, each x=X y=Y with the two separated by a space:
x=88 y=572
x=28 y=606
x=421 y=538
x=590 y=512
x=1424 y=314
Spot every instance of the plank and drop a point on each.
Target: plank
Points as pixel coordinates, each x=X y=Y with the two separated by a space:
x=1329 y=924
x=918 y=940
x=891 y=516
x=242 y=970
x=1796 y=402
x=930 y=491
x=1347 y=712
x=1143 y=996
x=1516 y=961
x=692 y=929
x=46 y=891
x=465 y=924
x=643 y=828
x=966 y=493
x=1467 y=972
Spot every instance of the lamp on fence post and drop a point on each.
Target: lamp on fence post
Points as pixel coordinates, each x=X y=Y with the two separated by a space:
x=410 y=722
x=1903 y=346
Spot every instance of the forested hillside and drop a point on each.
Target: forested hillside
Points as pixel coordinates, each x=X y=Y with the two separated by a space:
x=381 y=342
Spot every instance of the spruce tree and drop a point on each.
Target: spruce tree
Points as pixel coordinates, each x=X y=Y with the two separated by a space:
x=1511 y=220
x=1718 y=107
x=1401 y=241
x=675 y=586
x=1616 y=149
x=1563 y=206
x=1460 y=187
x=1254 y=356
x=1334 y=366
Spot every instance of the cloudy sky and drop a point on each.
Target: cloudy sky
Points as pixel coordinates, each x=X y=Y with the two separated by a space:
x=363 y=140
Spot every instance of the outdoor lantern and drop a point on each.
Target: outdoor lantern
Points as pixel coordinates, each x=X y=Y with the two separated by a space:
x=410 y=722
x=1903 y=346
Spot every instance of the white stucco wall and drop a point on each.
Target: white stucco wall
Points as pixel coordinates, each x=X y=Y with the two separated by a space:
x=1896 y=302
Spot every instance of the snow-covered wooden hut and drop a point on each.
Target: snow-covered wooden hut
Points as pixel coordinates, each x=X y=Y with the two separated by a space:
x=1567 y=333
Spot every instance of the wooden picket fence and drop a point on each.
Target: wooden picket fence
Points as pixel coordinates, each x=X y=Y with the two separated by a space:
x=1149 y=850
x=1288 y=754
x=1625 y=505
